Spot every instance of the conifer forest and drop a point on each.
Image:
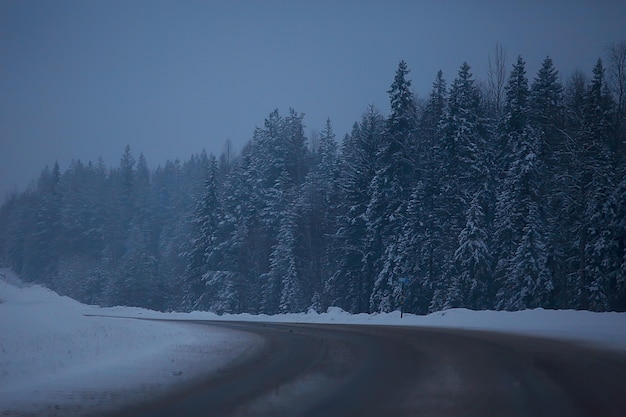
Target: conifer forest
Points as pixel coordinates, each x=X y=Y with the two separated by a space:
x=504 y=193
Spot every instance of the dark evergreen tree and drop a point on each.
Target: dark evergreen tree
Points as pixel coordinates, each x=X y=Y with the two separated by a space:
x=521 y=273
x=528 y=284
x=17 y=220
x=472 y=262
x=390 y=190
x=42 y=244
x=464 y=174
x=294 y=147
x=547 y=112
x=597 y=181
x=206 y=221
x=611 y=246
x=351 y=285
x=136 y=281
x=546 y=99
x=422 y=240
x=587 y=181
x=82 y=193
x=282 y=259
x=284 y=267
x=172 y=199
x=317 y=208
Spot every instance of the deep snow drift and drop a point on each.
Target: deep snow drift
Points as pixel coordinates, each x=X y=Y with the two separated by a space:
x=54 y=361
x=58 y=359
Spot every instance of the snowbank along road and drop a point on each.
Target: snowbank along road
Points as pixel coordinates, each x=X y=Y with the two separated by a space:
x=352 y=370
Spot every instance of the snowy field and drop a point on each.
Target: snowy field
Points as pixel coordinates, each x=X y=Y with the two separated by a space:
x=58 y=360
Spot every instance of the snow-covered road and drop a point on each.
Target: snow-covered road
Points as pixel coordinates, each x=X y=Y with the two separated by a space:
x=60 y=357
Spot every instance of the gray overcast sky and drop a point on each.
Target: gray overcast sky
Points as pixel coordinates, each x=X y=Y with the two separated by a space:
x=81 y=79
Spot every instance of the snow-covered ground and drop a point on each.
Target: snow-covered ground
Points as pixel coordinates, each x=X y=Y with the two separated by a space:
x=55 y=361
x=56 y=358
x=601 y=330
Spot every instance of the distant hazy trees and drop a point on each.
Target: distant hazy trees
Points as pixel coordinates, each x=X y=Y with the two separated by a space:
x=507 y=196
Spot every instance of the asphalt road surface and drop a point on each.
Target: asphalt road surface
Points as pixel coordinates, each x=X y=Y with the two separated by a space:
x=347 y=370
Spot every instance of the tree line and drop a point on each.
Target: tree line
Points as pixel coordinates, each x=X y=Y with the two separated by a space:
x=508 y=194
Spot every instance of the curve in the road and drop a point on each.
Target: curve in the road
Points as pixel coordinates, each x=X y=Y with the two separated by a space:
x=347 y=370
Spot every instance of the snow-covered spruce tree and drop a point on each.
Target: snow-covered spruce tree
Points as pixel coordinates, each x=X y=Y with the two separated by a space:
x=17 y=217
x=40 y=254
x=571 y=192
x=586 y=183
x=82 y=193
x=516 y=107
x=464 y=173
x=124 y=187
x=81 y=216
x=327 y=167
x=282 y=258
x=266 y=160
x=422 y=240
x=280 y=145
x=391 y=188
x=294 y=147
x=147 y=253
x=472 y=262
x=546 y=102
x=176 y=189
x=599 y=121
x=119 y=204
x=283 y=266
x=206 y=220
x=522 y=274
x=22 y=218
x=128 y=210
x=251 y=224
x=508 y=220
x=137 y=281
x=351 y=285
x=244 y=243
x=232 y=285
x=611 y=246
x=143 y=210
x=317 y=207
x=547 y=113
x=528 y=284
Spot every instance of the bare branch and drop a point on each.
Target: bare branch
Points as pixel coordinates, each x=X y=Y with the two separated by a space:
x=496 y=77
x=617 y=73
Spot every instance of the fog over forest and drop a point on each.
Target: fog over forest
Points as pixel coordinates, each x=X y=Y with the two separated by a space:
x=506 y=193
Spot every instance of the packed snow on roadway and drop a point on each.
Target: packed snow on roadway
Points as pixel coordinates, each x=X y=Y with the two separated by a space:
x=61 y=357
